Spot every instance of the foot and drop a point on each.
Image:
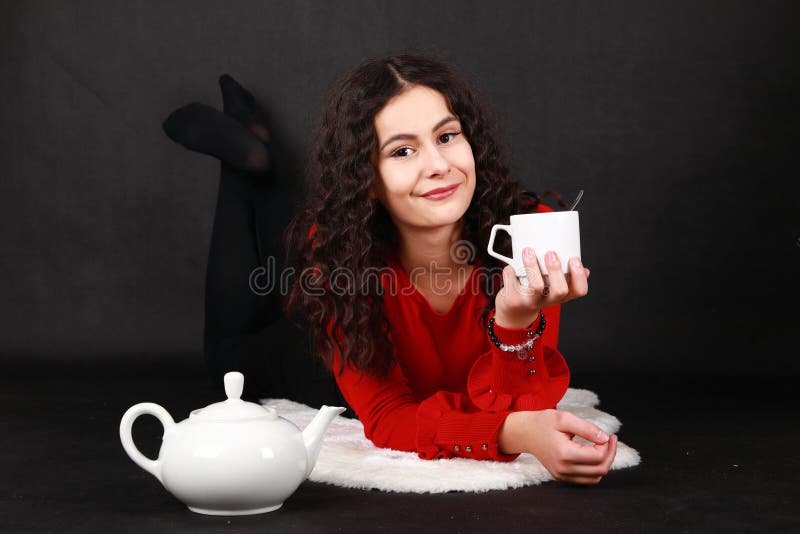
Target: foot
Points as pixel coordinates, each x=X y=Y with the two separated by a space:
x=239 y=103
x=204 y=129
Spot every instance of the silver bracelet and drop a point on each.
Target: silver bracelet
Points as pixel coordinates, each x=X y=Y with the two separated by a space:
x=528 y=344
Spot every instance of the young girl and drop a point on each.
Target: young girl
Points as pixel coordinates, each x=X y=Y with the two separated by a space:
x=435 y=347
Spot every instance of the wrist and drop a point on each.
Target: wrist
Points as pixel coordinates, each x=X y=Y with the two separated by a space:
x=515 y=322
x=510 y=439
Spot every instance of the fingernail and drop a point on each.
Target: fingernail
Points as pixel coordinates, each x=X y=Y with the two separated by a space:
x=602 y=436
x=527 y=253
x=552 y=257
x=576 y=263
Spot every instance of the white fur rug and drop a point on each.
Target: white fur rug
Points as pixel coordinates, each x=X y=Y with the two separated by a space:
x=350 y=460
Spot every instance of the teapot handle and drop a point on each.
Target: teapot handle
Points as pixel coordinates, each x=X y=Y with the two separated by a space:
x=125 y=434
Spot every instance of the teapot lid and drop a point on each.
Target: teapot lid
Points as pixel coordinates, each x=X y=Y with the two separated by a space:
x=234 y=408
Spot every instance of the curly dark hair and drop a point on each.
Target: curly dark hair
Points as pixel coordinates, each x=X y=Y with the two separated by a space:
x=340 y=228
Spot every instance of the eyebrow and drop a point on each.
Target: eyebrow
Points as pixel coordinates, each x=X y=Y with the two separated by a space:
x=438 y=125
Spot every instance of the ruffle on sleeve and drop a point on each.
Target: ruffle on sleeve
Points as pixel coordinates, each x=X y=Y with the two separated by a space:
x=500 y=381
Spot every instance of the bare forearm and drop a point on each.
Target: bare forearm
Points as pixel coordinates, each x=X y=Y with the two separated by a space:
x=511 y=439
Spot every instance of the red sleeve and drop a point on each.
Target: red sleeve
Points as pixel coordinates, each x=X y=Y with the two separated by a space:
x=443 y=425
x=533 y=380
x=449 y=424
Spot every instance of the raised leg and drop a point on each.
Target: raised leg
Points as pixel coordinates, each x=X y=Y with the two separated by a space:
x=245 y=329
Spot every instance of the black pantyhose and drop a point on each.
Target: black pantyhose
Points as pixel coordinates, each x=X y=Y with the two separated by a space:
x=204 y=129
x=244 y=329
x=240 y=104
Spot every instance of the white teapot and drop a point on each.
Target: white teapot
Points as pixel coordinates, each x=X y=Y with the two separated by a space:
x=233 y=457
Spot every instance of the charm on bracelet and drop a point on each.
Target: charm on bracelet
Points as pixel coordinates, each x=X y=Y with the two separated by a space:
x=522 y=348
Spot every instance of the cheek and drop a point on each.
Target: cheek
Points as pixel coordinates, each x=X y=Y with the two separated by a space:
x=464 y=159
x=396 y=180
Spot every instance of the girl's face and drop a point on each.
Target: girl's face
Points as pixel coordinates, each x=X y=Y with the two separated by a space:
x=421 y=149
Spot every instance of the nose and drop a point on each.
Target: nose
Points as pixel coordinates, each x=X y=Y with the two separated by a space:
x=436 y=164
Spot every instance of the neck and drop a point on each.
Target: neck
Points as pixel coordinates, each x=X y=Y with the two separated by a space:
x=428 y=249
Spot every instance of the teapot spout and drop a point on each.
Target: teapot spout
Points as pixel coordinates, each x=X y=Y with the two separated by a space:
x=313 y=433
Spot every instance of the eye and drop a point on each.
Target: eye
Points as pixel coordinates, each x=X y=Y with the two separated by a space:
x=396 y=153
x=453 y=134
x=444 y=138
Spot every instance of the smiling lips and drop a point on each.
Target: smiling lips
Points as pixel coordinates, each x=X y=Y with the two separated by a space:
x=440 y=192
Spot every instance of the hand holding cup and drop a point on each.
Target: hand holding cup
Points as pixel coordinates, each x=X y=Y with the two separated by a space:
x=517 y=306
x=536 y=277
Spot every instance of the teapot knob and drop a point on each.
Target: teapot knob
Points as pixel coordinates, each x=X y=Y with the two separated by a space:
x=234 y=385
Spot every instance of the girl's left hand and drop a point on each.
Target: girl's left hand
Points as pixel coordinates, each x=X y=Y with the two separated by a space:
x=517 y=306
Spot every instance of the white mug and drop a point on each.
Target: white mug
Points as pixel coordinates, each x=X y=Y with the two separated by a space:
x=557 y=231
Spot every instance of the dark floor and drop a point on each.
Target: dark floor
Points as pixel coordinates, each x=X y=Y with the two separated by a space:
x=716 y=458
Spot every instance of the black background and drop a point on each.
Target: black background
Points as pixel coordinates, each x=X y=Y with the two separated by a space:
x=676 y=118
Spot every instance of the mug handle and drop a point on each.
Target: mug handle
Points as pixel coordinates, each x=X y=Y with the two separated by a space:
x=125 y=434
x=495 y=228
x=523 y=279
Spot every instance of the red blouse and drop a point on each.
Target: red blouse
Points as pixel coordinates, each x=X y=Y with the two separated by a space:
x=450 y=389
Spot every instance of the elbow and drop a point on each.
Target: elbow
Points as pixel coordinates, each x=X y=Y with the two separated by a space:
x=378 y=436
x=386 y=437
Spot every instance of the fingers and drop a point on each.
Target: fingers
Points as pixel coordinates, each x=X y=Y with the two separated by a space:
x=536 y=282
x=611 y=454
x=510 y=281
x=575 y=453
x=591 y=459
x=568 y=276
x=556 y=286
x=559 y=289
x=591 y=474
x=572 y=424
x=541 y=290
x=579 y=284
x=565 y=286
